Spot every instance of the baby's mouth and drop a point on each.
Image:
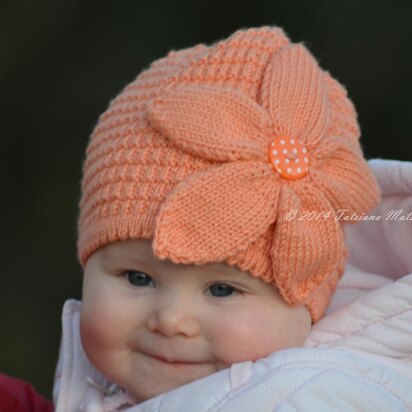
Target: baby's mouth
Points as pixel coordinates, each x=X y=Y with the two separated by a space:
x=174 y=361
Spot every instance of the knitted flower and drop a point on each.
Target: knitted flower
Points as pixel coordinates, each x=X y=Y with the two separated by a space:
x=253 y=184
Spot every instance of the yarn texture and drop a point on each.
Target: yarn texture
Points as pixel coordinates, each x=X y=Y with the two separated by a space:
x=181 y=157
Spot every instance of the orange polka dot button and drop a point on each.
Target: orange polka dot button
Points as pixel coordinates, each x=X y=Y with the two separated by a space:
x=289 y=157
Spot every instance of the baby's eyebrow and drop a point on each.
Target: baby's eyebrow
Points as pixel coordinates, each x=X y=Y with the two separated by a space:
x=224 y=270
x=122 y=254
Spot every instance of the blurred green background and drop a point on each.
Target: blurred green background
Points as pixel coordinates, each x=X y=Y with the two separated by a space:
x=62 y=61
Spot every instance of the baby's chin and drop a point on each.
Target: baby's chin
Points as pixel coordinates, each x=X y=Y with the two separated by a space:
x=145 y=377
x=142 y=390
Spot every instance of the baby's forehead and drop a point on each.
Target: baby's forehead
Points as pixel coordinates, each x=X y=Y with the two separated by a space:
x=139 y=248
x=141 y=251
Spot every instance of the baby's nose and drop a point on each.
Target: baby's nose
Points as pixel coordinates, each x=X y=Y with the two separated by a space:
x=173 y=316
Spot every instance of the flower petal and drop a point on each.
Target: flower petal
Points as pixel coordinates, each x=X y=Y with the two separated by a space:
x=344 y=177
x=294 y=93
x=216 y=213
x=215 y=123
x=306 y=243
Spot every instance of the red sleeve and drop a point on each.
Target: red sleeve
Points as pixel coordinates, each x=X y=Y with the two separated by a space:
x=19 y=396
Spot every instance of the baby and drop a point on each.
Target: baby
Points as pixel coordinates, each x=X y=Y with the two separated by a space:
x=152 y=325
x=207 y=229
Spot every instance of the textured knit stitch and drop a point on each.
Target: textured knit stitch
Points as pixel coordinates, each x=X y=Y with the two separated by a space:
x=181 y=157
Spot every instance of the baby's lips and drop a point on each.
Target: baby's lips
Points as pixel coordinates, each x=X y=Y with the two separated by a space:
x=175 y=358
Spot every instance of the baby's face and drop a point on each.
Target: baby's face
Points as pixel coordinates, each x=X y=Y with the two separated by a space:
x=150 y=325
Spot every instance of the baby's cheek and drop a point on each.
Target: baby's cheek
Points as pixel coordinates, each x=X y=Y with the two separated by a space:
x=98 y=329
x=102 y=342
x=245 y=337
x=91 y=332
x=255 y=331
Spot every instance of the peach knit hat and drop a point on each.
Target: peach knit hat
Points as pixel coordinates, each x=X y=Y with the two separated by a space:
x=244 y=152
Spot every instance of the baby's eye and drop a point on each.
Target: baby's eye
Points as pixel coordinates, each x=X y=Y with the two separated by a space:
x=137 y=278
x=221 y=290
